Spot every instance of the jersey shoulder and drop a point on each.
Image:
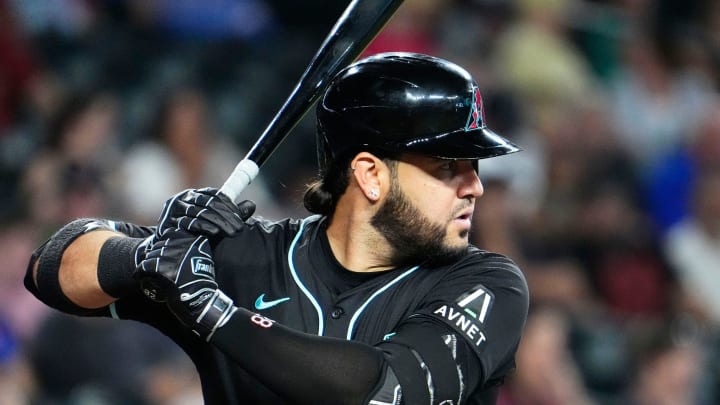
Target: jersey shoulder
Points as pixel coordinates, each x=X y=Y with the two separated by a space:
x=261 y=230
x=261 y=240
x=491 y=266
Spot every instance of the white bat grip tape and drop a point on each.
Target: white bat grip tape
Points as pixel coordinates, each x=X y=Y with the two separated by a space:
x=243 y=174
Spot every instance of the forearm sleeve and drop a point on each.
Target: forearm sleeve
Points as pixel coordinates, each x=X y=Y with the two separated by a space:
x=302 y=368
x=423 y=363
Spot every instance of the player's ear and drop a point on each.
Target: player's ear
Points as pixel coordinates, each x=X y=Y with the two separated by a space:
x=370 y=173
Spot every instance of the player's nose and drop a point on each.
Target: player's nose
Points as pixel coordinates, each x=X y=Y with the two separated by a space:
x=470 y=185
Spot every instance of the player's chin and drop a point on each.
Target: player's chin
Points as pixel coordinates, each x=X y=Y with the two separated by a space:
x=457 y=239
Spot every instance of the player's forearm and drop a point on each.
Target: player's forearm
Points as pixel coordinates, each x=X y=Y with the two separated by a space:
x=302 y=368
x=83 y=266
x=78 y=272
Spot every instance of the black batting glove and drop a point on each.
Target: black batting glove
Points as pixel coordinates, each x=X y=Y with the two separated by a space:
x=205 y=212
x=180 y=267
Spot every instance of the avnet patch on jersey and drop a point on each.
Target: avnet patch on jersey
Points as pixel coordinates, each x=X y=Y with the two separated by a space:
x=468 y=314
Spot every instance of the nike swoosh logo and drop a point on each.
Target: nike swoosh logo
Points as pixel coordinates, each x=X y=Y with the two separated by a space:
x=260 y=302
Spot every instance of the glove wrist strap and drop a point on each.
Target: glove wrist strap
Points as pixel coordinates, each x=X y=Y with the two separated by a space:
x=215 y=315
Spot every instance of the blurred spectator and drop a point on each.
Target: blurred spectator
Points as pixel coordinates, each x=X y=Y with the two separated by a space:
x=678 y=171
x=580 y=151
x=312 y=18
x=693 y=248
x=626 y=266
x=521 y=174
x=598 y=27
x=219 y=19
x=494 y=222
x=68 y=176
x=512 y=184
x=20 y=311
x=599 y=343
x=103 y=363
x=667 y=368
x=25 y=97
x=709 y=30
x=16 y=382
x=536 y=58
x=170 y=378
x=413 y=28
x=654 y=106
x=18 y=67
x=181 y=151
x=63 y=17
x=546 y=372
x=562 y=282
x=590 y=211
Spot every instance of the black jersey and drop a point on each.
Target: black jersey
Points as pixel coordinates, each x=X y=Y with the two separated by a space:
x=286 y=272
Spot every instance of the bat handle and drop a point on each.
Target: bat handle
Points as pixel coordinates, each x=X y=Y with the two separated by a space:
x=243 y=174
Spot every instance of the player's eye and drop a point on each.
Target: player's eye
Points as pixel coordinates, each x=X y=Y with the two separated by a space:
x=446 y=169
x=449 y=165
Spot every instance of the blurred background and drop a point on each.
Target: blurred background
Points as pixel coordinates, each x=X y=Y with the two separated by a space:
x=108 y=107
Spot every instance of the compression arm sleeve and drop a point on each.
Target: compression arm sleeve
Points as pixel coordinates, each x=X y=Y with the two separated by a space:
x=310 y=369
x=300 y=367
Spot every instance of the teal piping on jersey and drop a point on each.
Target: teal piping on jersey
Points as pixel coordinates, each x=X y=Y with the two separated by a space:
x=355 y=317
x=308 y=294
x=113 y=311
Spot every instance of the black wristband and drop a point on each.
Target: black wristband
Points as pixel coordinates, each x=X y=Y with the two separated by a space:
x=116 y=265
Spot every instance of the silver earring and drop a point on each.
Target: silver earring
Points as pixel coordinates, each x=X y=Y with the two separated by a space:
x=374 y=193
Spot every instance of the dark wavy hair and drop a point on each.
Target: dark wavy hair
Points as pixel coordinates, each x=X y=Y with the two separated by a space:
x=322 y=195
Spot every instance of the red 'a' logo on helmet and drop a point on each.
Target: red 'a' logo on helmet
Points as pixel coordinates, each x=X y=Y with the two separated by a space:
x=477 y=115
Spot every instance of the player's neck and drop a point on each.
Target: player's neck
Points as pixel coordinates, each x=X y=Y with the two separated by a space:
x=355 y=243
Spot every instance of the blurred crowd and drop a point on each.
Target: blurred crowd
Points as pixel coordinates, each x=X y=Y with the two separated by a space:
x=612 y=209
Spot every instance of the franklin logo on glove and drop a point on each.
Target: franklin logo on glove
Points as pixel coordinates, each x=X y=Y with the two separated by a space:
x=203 y=266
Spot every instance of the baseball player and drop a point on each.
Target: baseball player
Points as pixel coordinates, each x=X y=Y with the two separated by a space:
x=377 y=298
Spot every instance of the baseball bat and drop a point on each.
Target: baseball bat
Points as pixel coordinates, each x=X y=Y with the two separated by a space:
x=357 y=26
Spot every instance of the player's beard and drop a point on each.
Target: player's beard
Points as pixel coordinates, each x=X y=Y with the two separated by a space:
x=413 y=236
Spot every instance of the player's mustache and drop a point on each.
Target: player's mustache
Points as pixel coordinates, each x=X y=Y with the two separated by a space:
x=465 y=204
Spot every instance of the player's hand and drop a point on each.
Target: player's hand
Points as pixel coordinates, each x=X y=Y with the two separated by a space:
x=205 y=212
x=180 y=267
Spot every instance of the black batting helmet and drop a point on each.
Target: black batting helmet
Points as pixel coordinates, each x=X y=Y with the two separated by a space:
x=405 y=102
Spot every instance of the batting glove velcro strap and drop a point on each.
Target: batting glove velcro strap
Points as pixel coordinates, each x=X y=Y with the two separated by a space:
x=218 y=310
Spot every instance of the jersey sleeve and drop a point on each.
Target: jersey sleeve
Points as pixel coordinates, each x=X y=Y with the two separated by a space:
x=460 y=342
x=484 y=302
